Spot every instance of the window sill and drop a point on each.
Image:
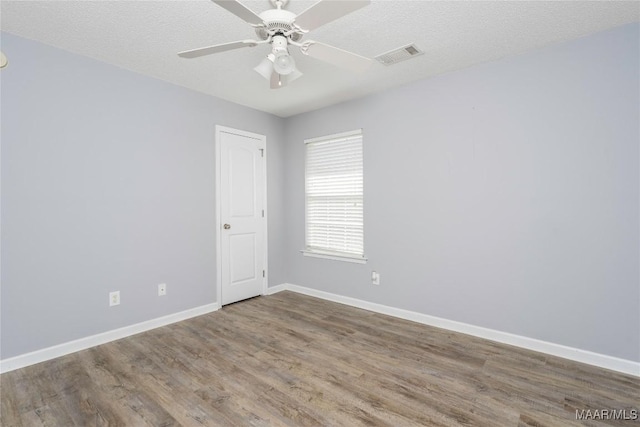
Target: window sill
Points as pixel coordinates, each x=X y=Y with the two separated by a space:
x=334 y=257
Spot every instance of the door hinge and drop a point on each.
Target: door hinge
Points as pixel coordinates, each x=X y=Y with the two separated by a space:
x=261 y=152
x=263 y=273
x=262 y=213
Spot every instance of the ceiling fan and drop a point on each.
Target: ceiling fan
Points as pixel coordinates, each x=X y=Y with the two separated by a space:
x=281 y=28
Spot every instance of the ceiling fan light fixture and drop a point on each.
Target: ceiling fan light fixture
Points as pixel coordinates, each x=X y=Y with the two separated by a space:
x=293 y=76
x=284 y=63
x=265 y=67
x=281 y=29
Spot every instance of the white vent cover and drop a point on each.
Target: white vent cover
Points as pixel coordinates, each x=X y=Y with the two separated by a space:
x=399 y=54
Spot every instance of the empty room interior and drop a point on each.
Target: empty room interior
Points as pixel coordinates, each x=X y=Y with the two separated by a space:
x=320 y=213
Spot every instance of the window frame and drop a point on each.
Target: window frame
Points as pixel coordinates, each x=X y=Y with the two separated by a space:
x=328 y=254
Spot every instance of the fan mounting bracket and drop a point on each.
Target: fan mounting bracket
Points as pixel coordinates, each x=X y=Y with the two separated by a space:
x=279 y=4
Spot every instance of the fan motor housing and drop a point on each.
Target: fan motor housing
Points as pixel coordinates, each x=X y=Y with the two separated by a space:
x=277 y=21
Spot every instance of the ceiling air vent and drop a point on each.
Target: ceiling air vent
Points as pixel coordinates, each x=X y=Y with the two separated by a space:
x=399 y=54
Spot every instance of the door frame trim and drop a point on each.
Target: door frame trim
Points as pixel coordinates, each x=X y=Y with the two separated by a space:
x=262 y=144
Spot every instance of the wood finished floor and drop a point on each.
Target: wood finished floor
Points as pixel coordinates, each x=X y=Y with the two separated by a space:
x=294 y=360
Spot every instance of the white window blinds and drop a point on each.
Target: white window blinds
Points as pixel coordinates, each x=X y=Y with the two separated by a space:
x=334 y=195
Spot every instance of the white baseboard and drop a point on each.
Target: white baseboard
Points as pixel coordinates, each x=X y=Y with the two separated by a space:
x=583 y=356
x=49 y=353
x=275 y=289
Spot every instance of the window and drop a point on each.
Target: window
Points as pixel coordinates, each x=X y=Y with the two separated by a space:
x=334 y=197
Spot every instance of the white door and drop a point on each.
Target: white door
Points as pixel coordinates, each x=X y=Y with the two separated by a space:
x=242 y=232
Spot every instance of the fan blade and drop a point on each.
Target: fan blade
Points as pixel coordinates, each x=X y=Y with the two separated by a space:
x=217 y=48
x=336 y=56
x=240 y=10
x=326 y=11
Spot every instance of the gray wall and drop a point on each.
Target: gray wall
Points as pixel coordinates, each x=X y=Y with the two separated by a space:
x=504 y=196
x=108 y=184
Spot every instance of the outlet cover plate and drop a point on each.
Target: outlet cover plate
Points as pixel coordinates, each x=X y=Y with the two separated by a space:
x=114 y=298
x=375 y=278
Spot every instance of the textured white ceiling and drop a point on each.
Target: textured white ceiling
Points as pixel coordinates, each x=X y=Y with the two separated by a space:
x=144 y=36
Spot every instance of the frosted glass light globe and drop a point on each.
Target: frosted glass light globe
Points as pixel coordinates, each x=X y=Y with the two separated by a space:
x=283 y=63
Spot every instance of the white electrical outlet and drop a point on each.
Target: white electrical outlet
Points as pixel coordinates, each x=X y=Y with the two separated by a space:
x=114 y=298
x=375 y=278
x=162 y=289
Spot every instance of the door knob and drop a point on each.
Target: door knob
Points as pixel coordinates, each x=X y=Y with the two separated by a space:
x=227 y=226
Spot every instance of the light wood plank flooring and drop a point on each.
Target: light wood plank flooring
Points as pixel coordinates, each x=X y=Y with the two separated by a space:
x=293 y=360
